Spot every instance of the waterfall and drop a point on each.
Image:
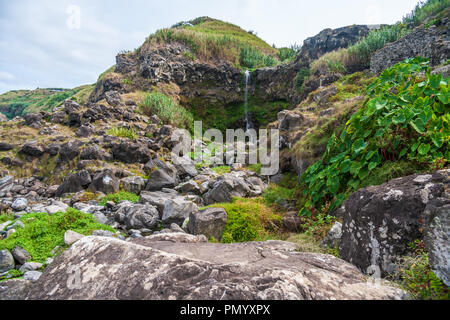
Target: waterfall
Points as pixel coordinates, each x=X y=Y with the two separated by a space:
x=248 y=124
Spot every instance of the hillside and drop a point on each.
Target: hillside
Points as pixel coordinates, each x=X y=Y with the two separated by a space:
x=358 y=208
x=20 y=102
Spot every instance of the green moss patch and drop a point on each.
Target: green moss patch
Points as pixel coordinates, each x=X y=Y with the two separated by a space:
x=43 y=232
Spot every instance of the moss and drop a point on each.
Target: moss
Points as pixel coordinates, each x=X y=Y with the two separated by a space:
x=119 y=196
x=248 y=220
x=6 y=217
x=43 y=232
x=392 y=170
x=221 y=170
x=123 y=133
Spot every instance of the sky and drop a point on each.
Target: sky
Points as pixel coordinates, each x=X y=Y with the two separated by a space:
x=68 y=43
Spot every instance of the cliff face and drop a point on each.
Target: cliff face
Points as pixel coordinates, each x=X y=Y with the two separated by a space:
x=214 y=87
x=432 y=43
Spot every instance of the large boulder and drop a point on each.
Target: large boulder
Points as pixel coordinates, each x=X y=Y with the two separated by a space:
x=105 y=181
x=437 y=236
x=130 y=152
x=164 y=176
x=133 y=184
x=209 y=222
x=380 y=221
x=157 y=199
x=32 y=149
x=74 y=183
x=6 y=261
x=70 y=150
x=100 y=268
x=177 y=210
x=137 y=216
x=14 y=289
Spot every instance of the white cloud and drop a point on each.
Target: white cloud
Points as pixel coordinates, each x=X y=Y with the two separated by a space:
x=373 y=14
x=6 y=76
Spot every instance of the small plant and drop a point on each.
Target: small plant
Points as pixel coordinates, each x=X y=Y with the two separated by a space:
x=248 y=220
x=119 y=196
x=418 y=278
x=275 y=194
x=127 y=81
x=190 y=55
x=221 y=170
x=156 y=103
x=123 y=133
x=301 y=78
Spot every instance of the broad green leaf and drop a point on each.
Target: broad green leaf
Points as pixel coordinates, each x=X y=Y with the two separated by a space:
x=399 y=119
x=372 y=165
x=359 y=145
x=355 y=167
x=418 y=125
x=423 y=149
x=435 y=81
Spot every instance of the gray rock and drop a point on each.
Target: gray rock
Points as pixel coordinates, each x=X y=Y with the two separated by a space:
x=20 y=254
x=102 y=233
x=105 y=181
x=15 y=225
x=70 y=237
x=14 y=289
x=334 y=236
x=56 y=207
x=32 y=149
x=176 y=210
x=133 y=184
x=380 y=221
x=19 y=204
x=6 y=261
x=185 y=166
x=189 y=187
x=437 y=236
x=32 y=276
x=30 y=266
x=209 y=222
x=163 y=269
x=163 y=177
x=157 y=199
x=137 y=216
x=74 y=183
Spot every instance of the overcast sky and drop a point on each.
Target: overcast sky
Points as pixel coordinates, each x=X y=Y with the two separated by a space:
x=67 y=43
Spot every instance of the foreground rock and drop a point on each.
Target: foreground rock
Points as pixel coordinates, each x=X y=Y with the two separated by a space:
x=147 y=268
x=380 y=221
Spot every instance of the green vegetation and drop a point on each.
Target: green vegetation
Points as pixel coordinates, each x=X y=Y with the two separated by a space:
x=417 y=277
x=6 y=217
x=248 y=220
x=358 y=55
x=405 y=119
x=225 y=117
x=212 y=39
x=220 y=170
x=276 y=194
x=119 y=196
x=286 y=54
x=301 y=78
x=103 y=74
x=170 y=112
x=123 y=133
x=20 y=102
x=43 y=232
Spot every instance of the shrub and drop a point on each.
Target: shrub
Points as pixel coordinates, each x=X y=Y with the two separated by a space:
x=221 y=170
x=275 y=194
x=286 y=54
x=212 y=39
x=119 y=196
x=156 y=103
x=43 y=232
x=301 y=77
x=122 y=133
x=248 y=220
x=405 y=118
x=417 y=277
